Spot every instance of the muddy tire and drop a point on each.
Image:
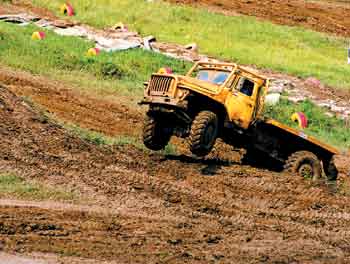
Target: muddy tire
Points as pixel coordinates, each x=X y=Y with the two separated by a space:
x=204 y=131
x=304 y=163
x=155 y=136
x=331 y=171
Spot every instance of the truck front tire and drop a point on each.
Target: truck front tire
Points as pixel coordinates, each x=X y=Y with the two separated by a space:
x=155 y=136
x=305 y=164
x=204 y=131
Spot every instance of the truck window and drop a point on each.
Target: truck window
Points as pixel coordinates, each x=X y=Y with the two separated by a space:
x=245 y=86
x=217 y=77
x=203 y=76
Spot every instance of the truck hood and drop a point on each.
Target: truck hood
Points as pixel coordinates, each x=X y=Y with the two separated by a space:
x=198 y=85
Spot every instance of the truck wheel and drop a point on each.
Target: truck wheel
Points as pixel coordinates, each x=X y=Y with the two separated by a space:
x=305 y=164
x=155 y=136
x=331 y=171
x=204 y=131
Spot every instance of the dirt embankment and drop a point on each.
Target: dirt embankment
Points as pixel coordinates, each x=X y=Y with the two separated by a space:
x=323 y=16
x=89 y=111
x=175 y=209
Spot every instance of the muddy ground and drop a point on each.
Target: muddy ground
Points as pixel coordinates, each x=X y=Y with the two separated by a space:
x=141 y=207
x=145 y=207
x=323 y=16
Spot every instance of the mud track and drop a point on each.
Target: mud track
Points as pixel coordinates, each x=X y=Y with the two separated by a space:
x=323 y=16
x=151 y=207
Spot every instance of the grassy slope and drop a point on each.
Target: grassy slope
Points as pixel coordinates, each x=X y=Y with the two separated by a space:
x=64 y=58
x=242 y=39
x=123 y=72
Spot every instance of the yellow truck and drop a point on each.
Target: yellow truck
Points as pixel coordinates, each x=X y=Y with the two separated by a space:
x=225 y=100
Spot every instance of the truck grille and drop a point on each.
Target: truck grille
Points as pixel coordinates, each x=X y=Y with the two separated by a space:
x=160 y=85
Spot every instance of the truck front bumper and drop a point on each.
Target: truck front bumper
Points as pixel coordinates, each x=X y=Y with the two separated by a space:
x=166 y=101
x=170 y=109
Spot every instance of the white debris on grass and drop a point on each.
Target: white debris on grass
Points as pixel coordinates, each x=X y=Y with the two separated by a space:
x=103 y=41
x=272 y=98
x=192 y=46
x=147 y=42
x=19 y=18
x=111 y=45
x=76 y=31
x=108 y=44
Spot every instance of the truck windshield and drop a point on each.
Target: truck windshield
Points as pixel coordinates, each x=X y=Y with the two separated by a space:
x=213 y=76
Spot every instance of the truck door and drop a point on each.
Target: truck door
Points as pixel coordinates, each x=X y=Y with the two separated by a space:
x=241 y=103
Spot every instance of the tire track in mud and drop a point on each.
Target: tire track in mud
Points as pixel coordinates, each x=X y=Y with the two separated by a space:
x=176 y=209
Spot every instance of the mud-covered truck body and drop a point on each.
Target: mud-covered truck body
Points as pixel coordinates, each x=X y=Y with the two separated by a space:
x=224 y=100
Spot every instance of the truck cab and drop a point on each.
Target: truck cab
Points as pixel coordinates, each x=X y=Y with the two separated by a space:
x=240 y=91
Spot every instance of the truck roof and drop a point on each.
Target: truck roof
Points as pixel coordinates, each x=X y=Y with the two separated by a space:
x=229 y=66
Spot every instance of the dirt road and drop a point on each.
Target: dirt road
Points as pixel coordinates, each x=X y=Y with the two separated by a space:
x=153 y=208
x=323 y=16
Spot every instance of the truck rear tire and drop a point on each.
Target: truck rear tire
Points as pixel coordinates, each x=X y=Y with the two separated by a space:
x=331 y=171
x=204 y=131
x=305 y=164
x=155 y=136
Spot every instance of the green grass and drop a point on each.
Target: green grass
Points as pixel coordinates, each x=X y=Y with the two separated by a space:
x=64 y=58
x=242 y=39
x=331 y=130
x=13 y=186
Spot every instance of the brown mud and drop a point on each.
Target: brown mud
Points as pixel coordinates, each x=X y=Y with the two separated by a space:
x=323 y=16
x=17 y=6
x=73 y=106
x=153 y=208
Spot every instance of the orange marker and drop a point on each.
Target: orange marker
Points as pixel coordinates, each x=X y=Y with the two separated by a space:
x=165 y=70
x=38 y=35
x=93 y=52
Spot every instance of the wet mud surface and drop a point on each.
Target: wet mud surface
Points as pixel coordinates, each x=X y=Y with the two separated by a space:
x=153 y=208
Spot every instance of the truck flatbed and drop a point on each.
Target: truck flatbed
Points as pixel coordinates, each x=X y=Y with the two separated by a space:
x=303 y=135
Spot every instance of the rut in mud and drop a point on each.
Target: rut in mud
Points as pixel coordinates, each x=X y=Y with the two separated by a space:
x=158 y=208
x=323 y=16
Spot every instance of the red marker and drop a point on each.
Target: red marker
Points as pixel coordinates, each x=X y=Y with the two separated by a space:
x=301 y=119
x=67 y=9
